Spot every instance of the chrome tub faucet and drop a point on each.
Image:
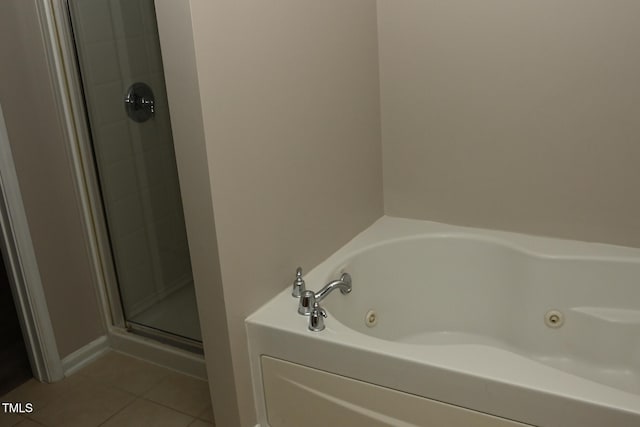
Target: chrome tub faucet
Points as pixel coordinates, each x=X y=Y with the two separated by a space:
x=309 y=302
x=343 y=283
x=316 y=318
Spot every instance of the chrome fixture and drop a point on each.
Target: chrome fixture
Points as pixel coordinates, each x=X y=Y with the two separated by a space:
x=139 y=102
x=344 y=284
x=298 y=284
x=309 y=303
x=316 y=318
x=307 y=300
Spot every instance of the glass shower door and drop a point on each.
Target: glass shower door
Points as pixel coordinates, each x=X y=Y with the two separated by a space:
x=120 y=63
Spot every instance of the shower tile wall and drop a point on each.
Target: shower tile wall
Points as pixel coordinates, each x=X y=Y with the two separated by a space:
x=118 y=45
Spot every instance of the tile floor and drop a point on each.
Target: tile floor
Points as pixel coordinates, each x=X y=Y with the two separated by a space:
x=115 y=390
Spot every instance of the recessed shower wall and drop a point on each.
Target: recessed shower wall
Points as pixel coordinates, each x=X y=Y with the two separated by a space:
x=117 y=45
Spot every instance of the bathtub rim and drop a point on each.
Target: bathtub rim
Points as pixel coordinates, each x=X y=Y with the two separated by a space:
x=278 y=319
x=391 y=230
x=282 y=333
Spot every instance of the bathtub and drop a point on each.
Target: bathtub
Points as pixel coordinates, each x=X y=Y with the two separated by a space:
x=536 y=331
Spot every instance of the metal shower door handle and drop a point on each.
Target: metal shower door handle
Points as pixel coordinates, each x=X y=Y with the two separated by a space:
x=139 y=102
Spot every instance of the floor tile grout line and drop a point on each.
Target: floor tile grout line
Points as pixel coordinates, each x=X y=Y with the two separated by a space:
x=84 y=376
x=142 y=398
x=23 y=418
x=110 y=386
x=95 y=383
x=173 y=409
x=204 y=421
x=118 y=411
x=203 y=411
x=117 y=387
x=46 y=405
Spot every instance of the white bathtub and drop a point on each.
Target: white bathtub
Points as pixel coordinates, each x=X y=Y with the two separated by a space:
x=461 y=319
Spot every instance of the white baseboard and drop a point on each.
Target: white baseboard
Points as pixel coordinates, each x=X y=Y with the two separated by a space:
x=85 y=355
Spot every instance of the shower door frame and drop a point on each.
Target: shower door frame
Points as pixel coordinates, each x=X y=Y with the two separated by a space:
x=66 y=68
x=65 y=63
x=17 y=249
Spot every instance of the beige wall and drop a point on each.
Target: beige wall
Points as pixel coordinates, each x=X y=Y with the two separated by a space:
x=181 y=74
x=289 y=97
x=517 y=115
x=45 y=177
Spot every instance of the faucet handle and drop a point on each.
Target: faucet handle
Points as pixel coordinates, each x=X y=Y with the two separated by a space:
x=298 y=284
x=316 y=318
x=306 y=303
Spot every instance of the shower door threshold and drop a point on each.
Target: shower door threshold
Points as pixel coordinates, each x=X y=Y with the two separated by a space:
x=183 y=343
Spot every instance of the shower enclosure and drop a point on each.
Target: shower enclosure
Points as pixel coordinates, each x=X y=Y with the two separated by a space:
x=120 y=64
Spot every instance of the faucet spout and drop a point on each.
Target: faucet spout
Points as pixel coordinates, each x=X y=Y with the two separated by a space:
x=344 y=284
